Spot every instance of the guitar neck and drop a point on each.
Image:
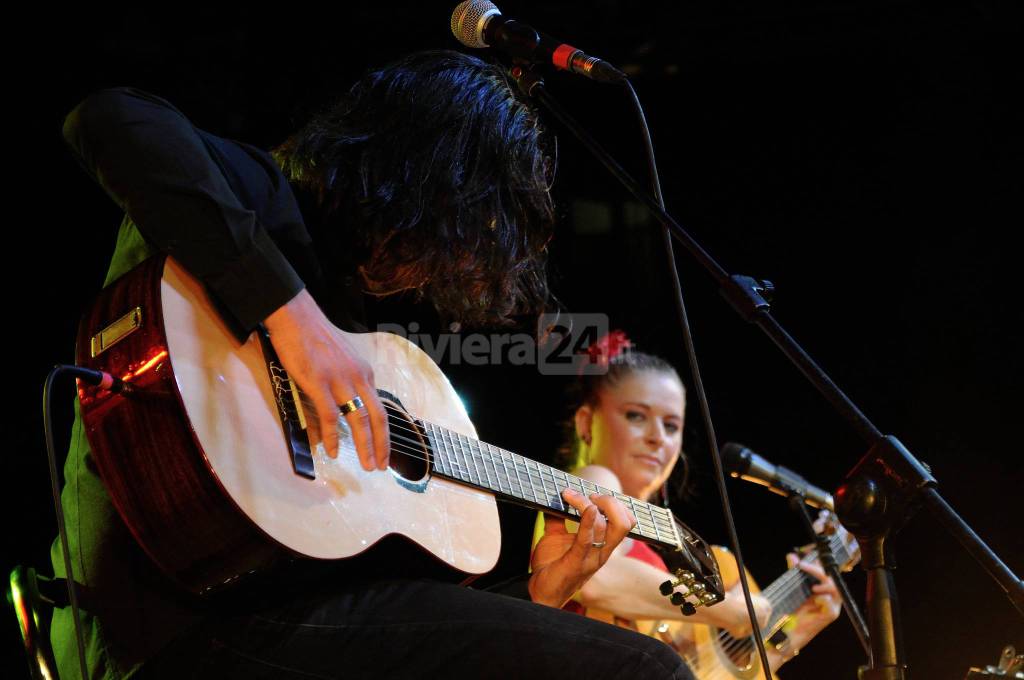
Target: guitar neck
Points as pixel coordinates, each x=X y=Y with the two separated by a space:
x=508 y=475
x=788 y=592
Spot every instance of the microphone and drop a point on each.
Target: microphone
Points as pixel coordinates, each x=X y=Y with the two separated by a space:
x=478 y=24
x=743 y=463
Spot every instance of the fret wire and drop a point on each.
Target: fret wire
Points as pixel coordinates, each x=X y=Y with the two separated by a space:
x=548 y=475
x=450 y=463
x=453 y=464
x=430 y=442
x=579 y=483
x=561 y=503
x=508 y=475
x=461 y=455
x=523 y=472
x=641 y=522
x=647 y=507
x=478 y=455
x=502 y=471
x=488 y=462
x=519 y=479
x=439 y=462
x=467 y=445
x=474 y=473
x=521 y=469
x=488 y=465
x=667 y=523
x=497 y=470
x=632 y=505
x=529 y=476
x=536 y=479
x=547 y=481
x=456 y=467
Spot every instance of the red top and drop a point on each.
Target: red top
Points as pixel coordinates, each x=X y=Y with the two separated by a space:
x=638 y=551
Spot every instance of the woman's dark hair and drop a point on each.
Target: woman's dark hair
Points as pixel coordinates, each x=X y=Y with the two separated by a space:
x=436 y=171
x=586 y=391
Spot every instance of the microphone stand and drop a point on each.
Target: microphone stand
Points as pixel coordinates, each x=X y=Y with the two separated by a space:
x=798 y=502
x=882 y=490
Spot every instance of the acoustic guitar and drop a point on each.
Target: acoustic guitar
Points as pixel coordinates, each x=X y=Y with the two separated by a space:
x=213 y=460
x=714 y=654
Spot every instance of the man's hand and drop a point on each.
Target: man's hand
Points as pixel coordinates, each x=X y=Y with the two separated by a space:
x=327 y=369
x=562 y=562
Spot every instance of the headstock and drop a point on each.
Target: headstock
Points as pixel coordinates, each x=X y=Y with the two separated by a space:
x=697 y=580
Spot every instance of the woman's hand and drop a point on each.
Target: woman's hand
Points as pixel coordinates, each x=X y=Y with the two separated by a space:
x=562 y=562
x=330 y=372
x=820 y=609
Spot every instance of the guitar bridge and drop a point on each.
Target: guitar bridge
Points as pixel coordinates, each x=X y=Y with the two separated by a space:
x=289 y=408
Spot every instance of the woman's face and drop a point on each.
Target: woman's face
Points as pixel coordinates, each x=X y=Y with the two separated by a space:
x=636 y=430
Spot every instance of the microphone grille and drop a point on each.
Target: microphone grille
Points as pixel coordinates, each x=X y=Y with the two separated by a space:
x=468 y=21
x=733 y=458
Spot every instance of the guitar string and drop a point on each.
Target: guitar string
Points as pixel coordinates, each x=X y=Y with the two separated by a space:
x=778 y=592
x=413 y=448
x=656 y=524
x=786 y=585
x=535 y=485
x=500 y=472
x=654 y=513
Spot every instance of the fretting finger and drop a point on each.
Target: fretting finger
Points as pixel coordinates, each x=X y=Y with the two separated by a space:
x=619 y=521
x=589 y=515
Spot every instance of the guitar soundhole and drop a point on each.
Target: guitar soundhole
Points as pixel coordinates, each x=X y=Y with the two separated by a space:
x=740 y=651
x=410 y=452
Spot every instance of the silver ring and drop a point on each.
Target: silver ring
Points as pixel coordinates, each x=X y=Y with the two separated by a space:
x=353 y=404
x=599 y=544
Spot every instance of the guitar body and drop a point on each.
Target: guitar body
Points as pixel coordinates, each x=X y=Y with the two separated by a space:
x=712 y=653
x=196 y=458
x=698 y=644
x=712 y=659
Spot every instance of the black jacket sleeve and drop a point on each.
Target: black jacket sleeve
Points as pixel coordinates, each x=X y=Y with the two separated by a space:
x=194 y=196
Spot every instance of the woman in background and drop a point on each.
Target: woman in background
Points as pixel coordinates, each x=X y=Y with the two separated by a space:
x=626 y=436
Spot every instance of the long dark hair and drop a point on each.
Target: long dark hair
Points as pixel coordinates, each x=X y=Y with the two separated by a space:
x=436 y=171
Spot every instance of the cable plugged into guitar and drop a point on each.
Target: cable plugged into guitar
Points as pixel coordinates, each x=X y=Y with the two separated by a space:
x=687 y=585
x=96 y=378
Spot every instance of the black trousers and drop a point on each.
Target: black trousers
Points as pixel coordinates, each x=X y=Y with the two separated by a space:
x=412 y=629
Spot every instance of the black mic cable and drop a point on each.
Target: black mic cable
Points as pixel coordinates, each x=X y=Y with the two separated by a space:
x=698 y=385
x=104 y=381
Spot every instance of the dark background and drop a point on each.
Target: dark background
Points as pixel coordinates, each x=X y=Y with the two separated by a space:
x=863 y=156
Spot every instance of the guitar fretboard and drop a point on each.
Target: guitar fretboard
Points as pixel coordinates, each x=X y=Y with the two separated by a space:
x=788 y=592
x=476 y=463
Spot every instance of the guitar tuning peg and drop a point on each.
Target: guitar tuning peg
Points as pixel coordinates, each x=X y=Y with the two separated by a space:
x=708 y=598
x=677 y=599
x=688 y=609
x=683 y=578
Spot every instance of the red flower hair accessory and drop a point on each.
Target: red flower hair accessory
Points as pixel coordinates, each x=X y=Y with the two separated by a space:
x=607 y=347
